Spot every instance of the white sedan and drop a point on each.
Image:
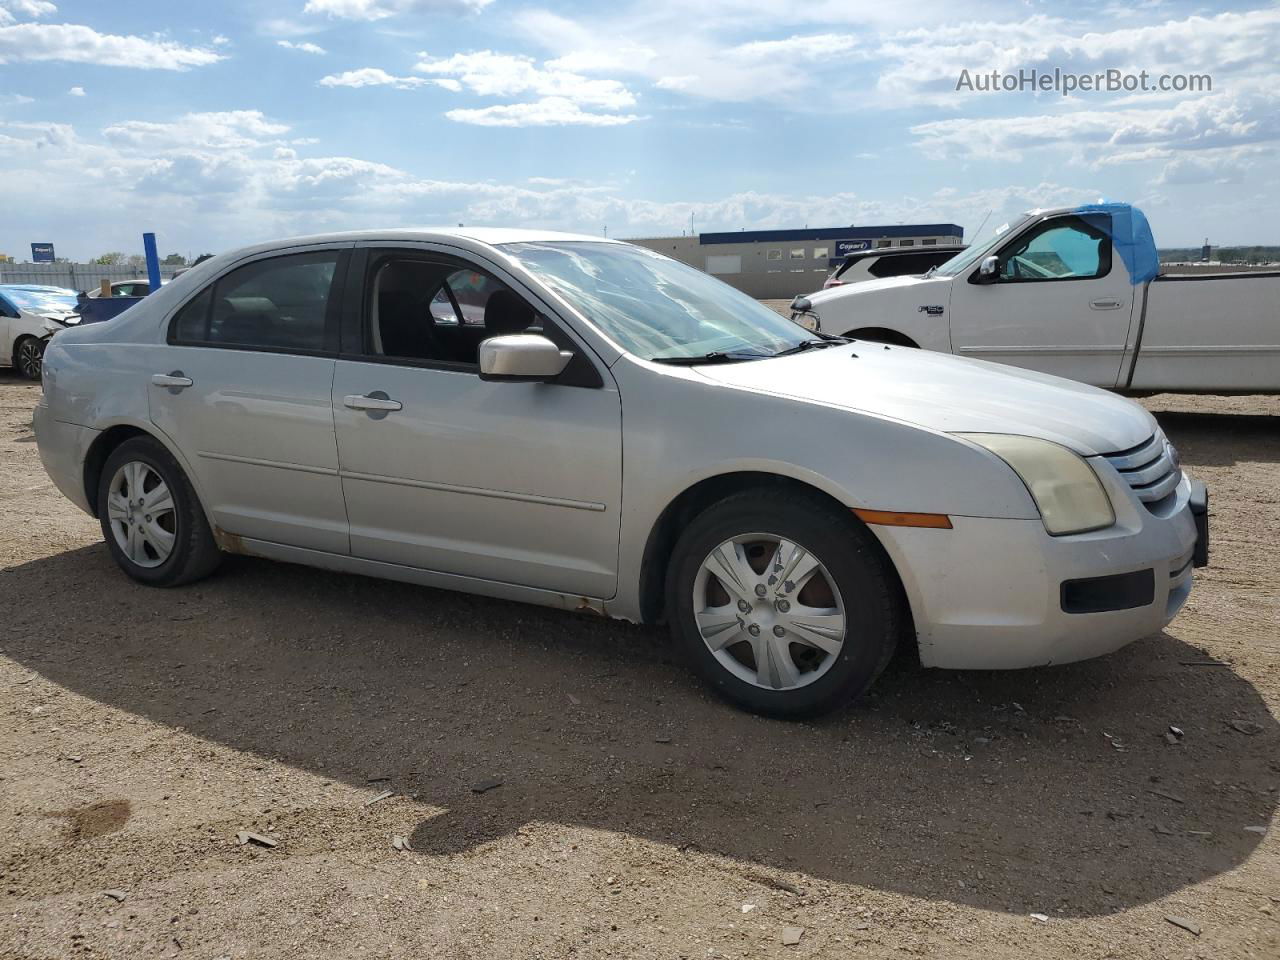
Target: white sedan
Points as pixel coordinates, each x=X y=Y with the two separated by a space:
x=29 y=315
x=625 y=435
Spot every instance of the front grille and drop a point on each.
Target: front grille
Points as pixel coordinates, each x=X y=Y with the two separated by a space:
x=1150 y=468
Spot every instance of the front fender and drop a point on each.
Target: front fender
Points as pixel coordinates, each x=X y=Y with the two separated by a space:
x=913 y=307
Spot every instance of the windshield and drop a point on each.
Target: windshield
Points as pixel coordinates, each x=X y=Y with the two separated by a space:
x=47 y=300
x=656 y=307
x=972 y=254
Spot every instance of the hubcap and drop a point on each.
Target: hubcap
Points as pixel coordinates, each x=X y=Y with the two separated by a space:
x=769 y=611
x=142 y=514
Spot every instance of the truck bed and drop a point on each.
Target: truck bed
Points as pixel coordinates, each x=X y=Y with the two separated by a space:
x=1209 y=333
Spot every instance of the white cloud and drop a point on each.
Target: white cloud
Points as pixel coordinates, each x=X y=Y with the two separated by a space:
x=219 y=180
x=226 y=130
x=76 y=92
x=381 y=9
x=546 y=112
x=922 y=65
x=10 y=10
x=303 y=47
x=14 y=99
x=373 y=77
x=79 y=44
x=1206 y=123
x=220 y=40
x=506 y=75
x=821 y=46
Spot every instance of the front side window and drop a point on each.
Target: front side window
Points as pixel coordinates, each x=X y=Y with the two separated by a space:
x=282 y=303
x=1067 y=248
x=655 y=307
x=434 y=312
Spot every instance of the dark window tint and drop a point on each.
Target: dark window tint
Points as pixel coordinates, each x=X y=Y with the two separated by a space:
x=276 y=304
x=191 y=323
x=903 y=266
x=421 y=310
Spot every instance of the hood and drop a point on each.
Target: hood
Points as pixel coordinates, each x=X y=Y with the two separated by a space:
x=863 y=286
x=948 y=394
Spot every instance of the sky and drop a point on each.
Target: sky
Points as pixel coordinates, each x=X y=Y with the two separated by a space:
x=221 y=124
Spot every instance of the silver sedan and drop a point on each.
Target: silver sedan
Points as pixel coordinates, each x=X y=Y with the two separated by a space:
x=583 y=423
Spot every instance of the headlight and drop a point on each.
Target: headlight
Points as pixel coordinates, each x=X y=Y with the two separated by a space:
x=1067 y=492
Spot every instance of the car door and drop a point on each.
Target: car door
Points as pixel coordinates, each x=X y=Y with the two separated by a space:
x=243 y=388
x=8 y=313
x=513 y=482
x=1060 y=302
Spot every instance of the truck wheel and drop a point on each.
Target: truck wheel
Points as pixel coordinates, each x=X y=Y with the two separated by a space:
x=28 y=353
x=879 y=335
x=784 y=605
x=151 y=518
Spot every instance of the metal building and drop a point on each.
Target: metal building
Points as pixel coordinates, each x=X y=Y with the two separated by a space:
x=778 y=264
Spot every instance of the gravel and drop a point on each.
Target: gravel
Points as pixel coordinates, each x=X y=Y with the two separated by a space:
x=928 y=820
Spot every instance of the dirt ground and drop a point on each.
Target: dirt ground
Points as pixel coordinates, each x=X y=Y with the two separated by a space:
x=141 y=730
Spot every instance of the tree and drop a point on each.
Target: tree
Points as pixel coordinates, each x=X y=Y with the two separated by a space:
x=112 y=259
x=137 y=260
x=174 y=260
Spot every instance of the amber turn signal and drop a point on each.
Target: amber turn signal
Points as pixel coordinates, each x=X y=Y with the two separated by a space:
x=892 y=518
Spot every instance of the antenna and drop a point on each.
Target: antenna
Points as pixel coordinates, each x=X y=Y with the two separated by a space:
x=977 y=233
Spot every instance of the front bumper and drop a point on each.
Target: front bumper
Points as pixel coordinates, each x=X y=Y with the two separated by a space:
x=989 y=594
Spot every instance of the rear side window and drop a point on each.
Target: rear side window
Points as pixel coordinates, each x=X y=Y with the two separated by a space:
x=284 y=303
x=901 y=266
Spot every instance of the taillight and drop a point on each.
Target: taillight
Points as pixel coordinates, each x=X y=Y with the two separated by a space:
x=832 y=282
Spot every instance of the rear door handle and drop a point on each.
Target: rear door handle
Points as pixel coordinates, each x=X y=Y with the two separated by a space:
x=1106 y=303
x=371 y=402
x=174 y=381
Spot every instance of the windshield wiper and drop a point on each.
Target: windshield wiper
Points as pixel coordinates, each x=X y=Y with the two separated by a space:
x=816 y=344
x=715 y=356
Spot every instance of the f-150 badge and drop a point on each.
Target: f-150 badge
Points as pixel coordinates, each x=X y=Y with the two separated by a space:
x=932 y=309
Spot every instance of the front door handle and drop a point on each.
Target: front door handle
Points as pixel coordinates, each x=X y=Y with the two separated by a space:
x=174 y=381
x=371 y=401
x=1106 y=303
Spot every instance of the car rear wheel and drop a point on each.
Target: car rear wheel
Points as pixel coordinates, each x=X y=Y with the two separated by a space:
x=151 y=519
x=28 y=354
x=785 y=606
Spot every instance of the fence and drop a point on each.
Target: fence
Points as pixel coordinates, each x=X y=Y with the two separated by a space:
x=76 y=276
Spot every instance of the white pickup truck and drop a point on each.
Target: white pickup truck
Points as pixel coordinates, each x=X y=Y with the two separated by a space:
x=1074 y=292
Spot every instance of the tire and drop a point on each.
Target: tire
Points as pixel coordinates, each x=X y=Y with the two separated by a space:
x=28 y=352
x=852 y=579
x=162 y=543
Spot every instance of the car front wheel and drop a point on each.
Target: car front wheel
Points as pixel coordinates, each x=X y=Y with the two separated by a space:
x=151 y=519
x=785 y=605
x=28 y=354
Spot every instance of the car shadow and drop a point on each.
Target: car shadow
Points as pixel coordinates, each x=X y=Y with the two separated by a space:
x=1059 y=789
x=1222 y=439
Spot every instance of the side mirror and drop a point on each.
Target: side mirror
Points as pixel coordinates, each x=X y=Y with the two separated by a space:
x=988 y=271
x=522 y=358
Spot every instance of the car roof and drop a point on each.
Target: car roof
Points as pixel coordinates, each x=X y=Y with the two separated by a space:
x=486 y=236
